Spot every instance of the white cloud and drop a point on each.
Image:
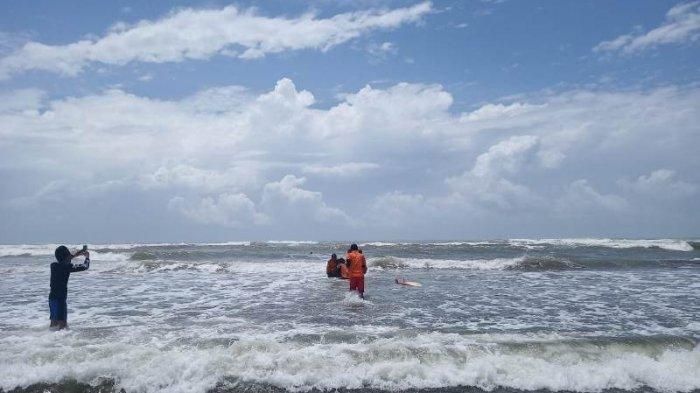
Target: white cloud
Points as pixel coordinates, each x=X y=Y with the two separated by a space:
x=504 y=157
x=682 y=24
x=662 y=184
x=396 y=115
x=381 y=51
x=580 y=197
x=397 y=209
x=182 y=175
x=220 y=145
x=342 y=170
x=21 y=100
x=201 y=33
x=230 y=210
x=500 y=111
x=286 y=198
x=487 y=182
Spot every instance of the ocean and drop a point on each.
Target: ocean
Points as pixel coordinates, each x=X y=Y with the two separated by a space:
x=576 y=315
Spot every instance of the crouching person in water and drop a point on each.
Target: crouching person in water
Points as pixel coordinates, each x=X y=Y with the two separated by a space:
x=357 y=267
x=60 y=272
x=332 y=266
x=336 y=267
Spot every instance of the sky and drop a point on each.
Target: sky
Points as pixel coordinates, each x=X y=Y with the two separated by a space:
x=336 y=120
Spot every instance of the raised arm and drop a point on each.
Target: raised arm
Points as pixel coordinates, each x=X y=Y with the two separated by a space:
x=83 y=266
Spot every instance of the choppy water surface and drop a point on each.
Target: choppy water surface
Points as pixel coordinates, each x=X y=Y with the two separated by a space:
x=573 y=314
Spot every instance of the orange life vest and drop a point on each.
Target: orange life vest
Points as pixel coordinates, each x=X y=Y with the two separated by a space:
x=344 y=271
x=357 y=264
x=331 y=266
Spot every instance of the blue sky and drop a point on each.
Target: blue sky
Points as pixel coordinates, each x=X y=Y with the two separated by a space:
x=332 y=120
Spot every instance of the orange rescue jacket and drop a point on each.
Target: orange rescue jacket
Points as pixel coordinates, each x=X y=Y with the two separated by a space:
x=331 y=266
x=356 y=264
x=344 y=271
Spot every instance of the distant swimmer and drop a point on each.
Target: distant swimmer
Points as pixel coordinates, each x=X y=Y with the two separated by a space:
x=60 y=272
x=357 y=267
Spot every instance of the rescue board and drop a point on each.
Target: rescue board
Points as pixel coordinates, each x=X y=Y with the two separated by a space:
x=408 y=283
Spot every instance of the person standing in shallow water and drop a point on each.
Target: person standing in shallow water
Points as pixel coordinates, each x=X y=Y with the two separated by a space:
x=60 y=272
x=357 y=267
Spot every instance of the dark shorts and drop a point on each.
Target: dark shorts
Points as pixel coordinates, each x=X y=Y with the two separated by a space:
x=58 y=309
x=357 y=283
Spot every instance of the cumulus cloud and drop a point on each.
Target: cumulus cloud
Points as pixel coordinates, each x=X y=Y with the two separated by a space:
x=342 y=170
x=661 y=183
x=202 y=33
x=581 y=197
x=232 y=157
x=500 y=111
x=487 y=182
x=398 y=209
x=682 y=24
x=21 y=100
x=230 y=210
x=286 y=198
x=182 y=175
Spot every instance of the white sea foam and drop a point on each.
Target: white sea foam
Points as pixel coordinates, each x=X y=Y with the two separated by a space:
x=292 y=242
x=232 y=243
x=446 y=244
x=429 y=360
x=8 y=250
x=108 y=256
x=468 y=243
x=352 y=297
x=427 y=263
x=667 y=244
x=231 y=266
x=129 y=246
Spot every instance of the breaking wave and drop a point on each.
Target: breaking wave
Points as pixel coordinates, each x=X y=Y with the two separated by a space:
x=665 y=244
x=23 y=250
x=423 y=361
x=526 y=263
x=518 y=263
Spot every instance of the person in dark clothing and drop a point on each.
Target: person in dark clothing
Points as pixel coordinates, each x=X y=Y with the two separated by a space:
x=332 y=266
x=60 y=272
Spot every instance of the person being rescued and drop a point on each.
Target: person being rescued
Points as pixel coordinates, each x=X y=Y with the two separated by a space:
x=343 y=271
x=336 y=267
x=357 y=267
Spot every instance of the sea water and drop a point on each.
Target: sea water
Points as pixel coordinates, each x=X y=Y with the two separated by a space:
x=583 y=315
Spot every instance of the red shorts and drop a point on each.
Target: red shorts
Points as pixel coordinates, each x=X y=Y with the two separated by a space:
x=357 y=283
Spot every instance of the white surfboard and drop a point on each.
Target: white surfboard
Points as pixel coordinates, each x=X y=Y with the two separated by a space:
x=405 y=282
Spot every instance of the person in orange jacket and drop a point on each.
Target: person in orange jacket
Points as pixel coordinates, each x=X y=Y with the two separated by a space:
x=332 y=266
x=357 y=267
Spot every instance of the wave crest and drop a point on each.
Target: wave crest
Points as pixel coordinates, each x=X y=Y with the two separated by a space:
x=664 y=244
x=518 y=263
x=422 y=361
